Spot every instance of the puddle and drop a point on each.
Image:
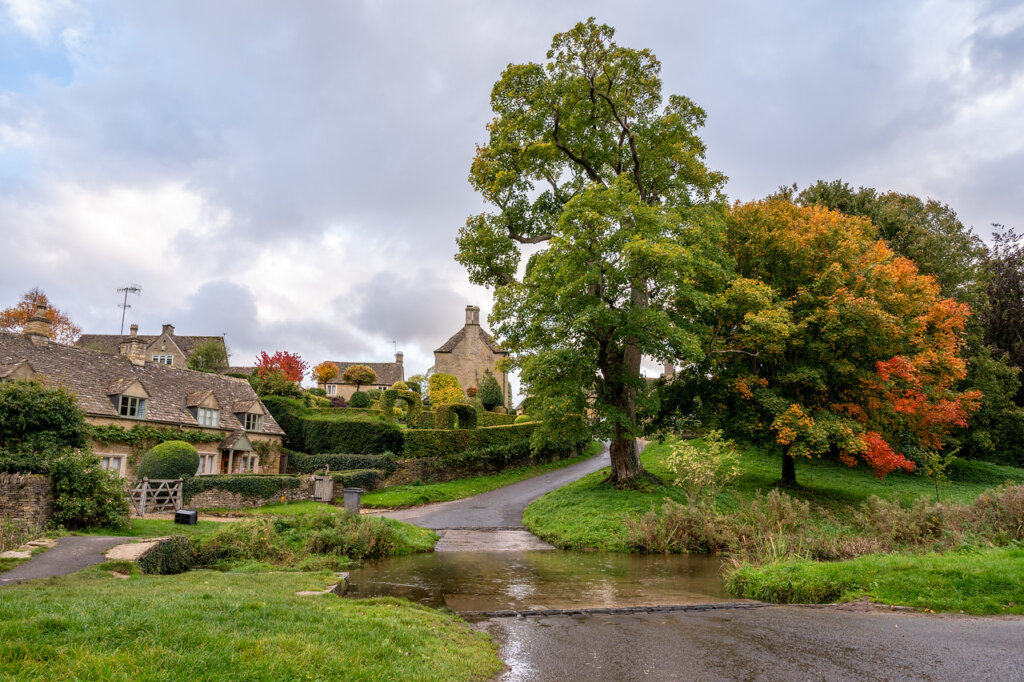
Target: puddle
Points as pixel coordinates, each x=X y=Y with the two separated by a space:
x=490 y=581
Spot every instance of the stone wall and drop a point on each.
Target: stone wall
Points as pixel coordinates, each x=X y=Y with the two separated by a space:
x=26 y=499
x=224 y=499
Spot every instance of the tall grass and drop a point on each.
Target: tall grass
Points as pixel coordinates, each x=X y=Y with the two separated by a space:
x=14 y=534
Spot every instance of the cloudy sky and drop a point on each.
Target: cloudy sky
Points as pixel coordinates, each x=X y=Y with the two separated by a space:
x=293 y=174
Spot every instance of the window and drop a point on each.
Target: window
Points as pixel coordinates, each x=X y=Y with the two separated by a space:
x=205 y=464
x=253 y=422
x=132 y=407
x=111 y=463
x=164 y=359
x=208 y=417
x=332 y=389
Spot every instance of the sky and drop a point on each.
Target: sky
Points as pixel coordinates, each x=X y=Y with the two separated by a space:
x=293 y=175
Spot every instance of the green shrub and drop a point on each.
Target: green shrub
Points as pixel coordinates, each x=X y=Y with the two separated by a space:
x=448 y=442
x=446 y=414
x=373 y=394
x=317 y=391
x=288 y=413
x=445 y=388
x=490 y=392
x=495 y=419
x=274 y=383
x=367 y=479
x=360 y=435
x=360 y=399
x=84 y=495
x=315 y=401
x=251 y=486
x=255 y=540
x=351 y=536
x=171 y=459
x=414 y=386
x=703 y=471
x=36 y=418
x=308 y=464
x=172 y=556
x=523 y=419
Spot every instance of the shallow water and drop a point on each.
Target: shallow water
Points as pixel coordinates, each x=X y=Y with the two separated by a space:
x=493 y=581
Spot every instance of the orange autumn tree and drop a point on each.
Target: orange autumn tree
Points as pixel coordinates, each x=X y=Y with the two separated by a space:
x=13 y=319
x=324 y=372
x=827 y=343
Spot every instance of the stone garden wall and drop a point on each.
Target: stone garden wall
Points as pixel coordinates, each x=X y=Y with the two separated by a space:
x=217 y=498
x=26 y=499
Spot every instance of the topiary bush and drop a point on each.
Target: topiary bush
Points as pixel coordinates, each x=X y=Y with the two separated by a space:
x=449 y=442
x=490 y=392
x=495 y=419
x=445 y=416
x=524 y=419
x=360 y=399
x=414 y=386
x=359 y=435
x=374 y=394
x=171 y=459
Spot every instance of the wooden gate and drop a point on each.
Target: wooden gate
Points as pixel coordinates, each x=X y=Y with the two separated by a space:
x=152 y=495
x=323 y=488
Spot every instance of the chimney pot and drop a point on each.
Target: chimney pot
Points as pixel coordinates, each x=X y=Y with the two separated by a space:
x=670 y=370
x=134 y=329
x=472 y=314
x=399 y=357
x=168 y=329
x=37 y=328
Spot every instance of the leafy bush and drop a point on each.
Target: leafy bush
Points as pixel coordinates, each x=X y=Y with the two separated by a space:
x=170 y=557
x=288 y=413
x=367 y=479
x=374 y=394
x=255 y=540
x=36 y=418
x=252 y=486
x=703 y=472
x=523 y=419
x=490 y=392
x=448 y=442
x=679 y=528
x=308 y=464
x=317 y=391
x=446 y=414
x=495 y=419
x=445 y=388
x=360 y=399
x=351 y=536
x=84 y=495
x=209 y=356
x=171 y=459
x=274 y=382
x=414 y=386
x=338 y=401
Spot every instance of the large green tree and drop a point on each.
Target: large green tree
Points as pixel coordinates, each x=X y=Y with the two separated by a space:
x=602 y=182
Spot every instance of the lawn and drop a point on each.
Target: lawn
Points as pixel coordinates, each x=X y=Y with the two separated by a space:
x=231 y=626
x=588 y=514
x=978 y=581
x=399 y=496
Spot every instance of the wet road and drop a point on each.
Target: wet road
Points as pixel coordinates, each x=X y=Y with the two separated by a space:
x=501 y=508
x=769 y=643
x=71 y=554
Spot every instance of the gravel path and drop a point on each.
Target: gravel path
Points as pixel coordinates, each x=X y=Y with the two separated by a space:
x=501 y=508
x=72 y=553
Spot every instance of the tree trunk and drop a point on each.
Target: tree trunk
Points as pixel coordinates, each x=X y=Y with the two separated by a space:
x=788 y=469
x=625 y=455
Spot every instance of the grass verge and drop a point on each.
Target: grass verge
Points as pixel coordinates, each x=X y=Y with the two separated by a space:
x=209 y=625
x=980 y=581
x=400 y=496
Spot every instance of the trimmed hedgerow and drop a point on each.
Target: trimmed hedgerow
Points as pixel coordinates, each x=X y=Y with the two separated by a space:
x=252 y=486
x=359 y=436
x=444 y=416
x=308 y=464
x=288 y=413
x=495 y=419
x=367 y=479
x=174 y=555
x=448 y=442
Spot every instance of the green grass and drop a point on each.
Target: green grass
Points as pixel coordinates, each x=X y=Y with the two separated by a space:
x=154 y=528
x=231 y=626
x=400 y=496
x=589 y=513
x=8 y=564
x=982 y=581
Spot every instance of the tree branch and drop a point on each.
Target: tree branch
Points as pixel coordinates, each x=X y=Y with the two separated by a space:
x=591 y=172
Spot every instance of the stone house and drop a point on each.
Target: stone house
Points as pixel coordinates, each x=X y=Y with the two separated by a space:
x=387 y=374
x=469 y=353
x=166 y=348
x=128 y=388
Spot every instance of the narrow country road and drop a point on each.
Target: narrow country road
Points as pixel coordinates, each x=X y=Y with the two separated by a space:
x=501 y=508
x=72 y=553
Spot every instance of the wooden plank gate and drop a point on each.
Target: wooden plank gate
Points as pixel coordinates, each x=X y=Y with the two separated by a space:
x=323 y=488
x=153 y=495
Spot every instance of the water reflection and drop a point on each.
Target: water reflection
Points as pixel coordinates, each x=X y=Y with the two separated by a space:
x=481 y=581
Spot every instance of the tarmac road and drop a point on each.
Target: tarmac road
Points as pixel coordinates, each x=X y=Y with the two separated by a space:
x=501 y=508
x=768 y=643
x=72 y=553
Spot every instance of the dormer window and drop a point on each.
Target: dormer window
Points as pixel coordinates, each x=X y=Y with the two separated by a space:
x=164 y=359
x=208 y=417
x=133 y=407
x=253 y=422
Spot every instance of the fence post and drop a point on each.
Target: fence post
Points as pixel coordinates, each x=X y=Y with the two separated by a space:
x=145 y=491
x=181 y=494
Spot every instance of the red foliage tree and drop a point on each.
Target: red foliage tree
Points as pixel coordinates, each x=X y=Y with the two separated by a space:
x=289 y=364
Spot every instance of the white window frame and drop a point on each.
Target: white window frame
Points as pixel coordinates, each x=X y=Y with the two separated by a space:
x=206 y=464
x=207 y=416
x=332 y=389
x=253 y=421
x=163 y=359
x=112 y=463
x=131 y=407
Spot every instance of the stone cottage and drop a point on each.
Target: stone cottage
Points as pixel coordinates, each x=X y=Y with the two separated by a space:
x=129 y=388
x=166 y=348
x=470 y=352
x=387 y=374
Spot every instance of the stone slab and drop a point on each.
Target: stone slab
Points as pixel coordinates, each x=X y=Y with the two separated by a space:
x=16 y=554
x=130 y=551
x=489 y=541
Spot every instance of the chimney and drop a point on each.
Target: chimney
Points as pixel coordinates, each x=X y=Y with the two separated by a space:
x=133 y=348
x=669 y=371
x=37 y=329
x=134 y=329
x=399 y=357
x=168 y=329
x=472 y=315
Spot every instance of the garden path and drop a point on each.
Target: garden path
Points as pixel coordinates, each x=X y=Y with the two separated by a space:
x=72 y=553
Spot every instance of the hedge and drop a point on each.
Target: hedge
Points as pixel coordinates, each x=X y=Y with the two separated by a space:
x=445 y=415
x=326 y=431
x=169 y=460
x=367 y=479
x=308 y=464
x=447 y=442
x=174 y=555
x=288 y=413
x=495 y=419
x=247 y=485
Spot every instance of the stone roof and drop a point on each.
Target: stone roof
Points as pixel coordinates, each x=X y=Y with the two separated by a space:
x=387 y=372
x=449 y=345
x=91 y=374
x=110 y=343
x=247 y=370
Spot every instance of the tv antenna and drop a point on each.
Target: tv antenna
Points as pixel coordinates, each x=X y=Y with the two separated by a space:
x=124 y=306
x=396 y=346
